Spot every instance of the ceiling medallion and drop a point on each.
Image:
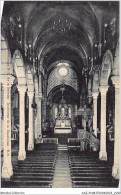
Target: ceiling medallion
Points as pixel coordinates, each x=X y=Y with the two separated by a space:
x=63 y=71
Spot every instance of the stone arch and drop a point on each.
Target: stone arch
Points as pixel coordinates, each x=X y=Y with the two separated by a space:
x=95 y=82
x=6 y=66
x=116 y=68
x=6 y=71
x=15 y=112
x=19 y=68
x=90 y=90
x=30 y=83
x=106 y=68
x=36 y=85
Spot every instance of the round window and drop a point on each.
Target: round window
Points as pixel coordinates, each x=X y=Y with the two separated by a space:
x=63 y=71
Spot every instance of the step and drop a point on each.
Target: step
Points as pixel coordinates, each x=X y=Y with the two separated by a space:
x=90 y=174
x=24 y=169
x=34 y=160
x=40 y=158
x=87 y=168
x=37 y=178
x=78 y=179
x=34 y=166
x=87 y=165
x=25 y=186
x=50 y=174
x=29 y=163
x=89 y=171
x=35 y=171
x=31 y=181
x=28 y=182
x=93 y=182
x=60 y=149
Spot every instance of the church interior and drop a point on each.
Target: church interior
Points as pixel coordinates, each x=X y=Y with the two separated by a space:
x=60 y=94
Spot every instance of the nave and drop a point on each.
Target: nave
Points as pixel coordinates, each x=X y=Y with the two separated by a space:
x=60 y=86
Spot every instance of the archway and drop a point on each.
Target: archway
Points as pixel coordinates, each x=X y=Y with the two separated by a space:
x=7 y=81
x=107 y=65
x=20 y=76
x=30 y=94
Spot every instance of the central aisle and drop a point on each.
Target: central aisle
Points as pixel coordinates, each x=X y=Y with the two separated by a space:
x=62 y=177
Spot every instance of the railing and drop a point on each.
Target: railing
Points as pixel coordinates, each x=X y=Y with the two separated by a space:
x=73 y=144
x=88 y=138
x=50 y=140
x=73 y=140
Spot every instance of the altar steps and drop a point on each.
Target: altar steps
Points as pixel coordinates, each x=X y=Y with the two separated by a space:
x=62 y=147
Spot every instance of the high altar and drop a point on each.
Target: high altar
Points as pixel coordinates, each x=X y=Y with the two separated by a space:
x=63 y=118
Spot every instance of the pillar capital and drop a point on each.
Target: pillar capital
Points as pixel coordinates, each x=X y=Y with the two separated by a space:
x=22 y=89
x=103 y=89
x=95 y=94
x=30 y=94
x=40 y=95
x=7 y=80
x=116 y=81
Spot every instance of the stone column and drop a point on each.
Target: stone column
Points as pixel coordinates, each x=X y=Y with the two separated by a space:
x=7 y=169
x=45 y=99
x=38 y=133
x=2 y=134
x=36 y=125
x=39 y=116
x=95 y=95
x=85 y=118
x=31 y=122
x=103 y=152
x=2 y=118
x=84 y=122
x=116 y=165
x=22 y=152
x=12 y=117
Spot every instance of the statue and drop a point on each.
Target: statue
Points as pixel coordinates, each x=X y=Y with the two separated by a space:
x=62 y=115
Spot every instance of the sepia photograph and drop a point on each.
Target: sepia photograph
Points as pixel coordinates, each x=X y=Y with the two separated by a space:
x=60 y=102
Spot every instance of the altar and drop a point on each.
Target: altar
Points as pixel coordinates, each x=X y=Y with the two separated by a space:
x=63 y=126
x=62 y=118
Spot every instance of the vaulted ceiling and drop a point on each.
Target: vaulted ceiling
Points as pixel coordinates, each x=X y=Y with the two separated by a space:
x=62 y=30
x=74 y=31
